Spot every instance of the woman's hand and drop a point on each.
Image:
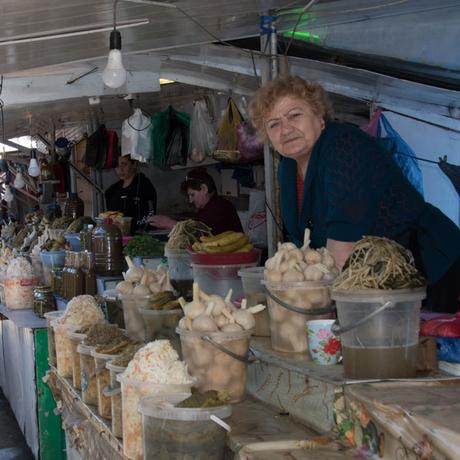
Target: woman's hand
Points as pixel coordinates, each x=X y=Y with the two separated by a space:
x=162 y=222
x=341 y=250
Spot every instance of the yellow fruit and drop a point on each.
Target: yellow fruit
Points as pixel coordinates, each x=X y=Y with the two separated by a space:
x=231 y=247
x=209 y=239
x=226 y=240
x=246 y=248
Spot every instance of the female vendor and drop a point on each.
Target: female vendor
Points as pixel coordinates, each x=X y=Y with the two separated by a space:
x=213 y=210
x=133 y=195
x=337 y=180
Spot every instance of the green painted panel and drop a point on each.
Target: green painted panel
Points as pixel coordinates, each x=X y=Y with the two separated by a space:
x=51 y=435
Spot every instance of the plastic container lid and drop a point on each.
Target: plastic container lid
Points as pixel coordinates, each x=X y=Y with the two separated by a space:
x=158 y=407
x=114 y=368
x=233 y=258
x=52 y=315
x=105 y=356
x=84 y=349
x=379 y=295
x=72 y=335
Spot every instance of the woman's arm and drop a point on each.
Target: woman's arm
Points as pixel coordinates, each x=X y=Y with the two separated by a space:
x=341 y=250
x=162 y=222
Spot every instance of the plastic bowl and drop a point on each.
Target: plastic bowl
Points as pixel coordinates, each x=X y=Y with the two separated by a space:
x=151 y=262
x=181 y=433
x=53 y=259
x=230 y=258
x=74 y=240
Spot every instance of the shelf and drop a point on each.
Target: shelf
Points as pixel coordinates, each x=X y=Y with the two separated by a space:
x=23 y=318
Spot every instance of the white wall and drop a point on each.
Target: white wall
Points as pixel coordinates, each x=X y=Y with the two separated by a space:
x=431 y=142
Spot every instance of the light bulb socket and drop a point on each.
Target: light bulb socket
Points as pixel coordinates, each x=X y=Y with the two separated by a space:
x=33 y=154
x=115 y=40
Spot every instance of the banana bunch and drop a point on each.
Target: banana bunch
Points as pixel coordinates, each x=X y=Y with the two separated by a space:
x=223 y=243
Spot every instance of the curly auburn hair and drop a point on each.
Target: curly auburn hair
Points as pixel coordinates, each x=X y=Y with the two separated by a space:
x=266 y=97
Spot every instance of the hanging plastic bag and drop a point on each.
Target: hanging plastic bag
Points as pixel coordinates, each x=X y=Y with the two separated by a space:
x=227 y=135
x=171 y=135
x=249 y=145
x=136 y=137
x=202 y=132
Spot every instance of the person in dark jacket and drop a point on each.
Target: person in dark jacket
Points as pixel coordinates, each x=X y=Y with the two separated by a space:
x=133 y=195
x=339 y=182
x=213 y=210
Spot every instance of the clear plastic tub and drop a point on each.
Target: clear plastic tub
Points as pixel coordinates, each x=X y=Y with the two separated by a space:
x=75 y=340
x=218 y=279
x=50 y=317
x=63 y=348
x=88 y=375
x=181 y=433
x=19 y=293
x=74 y=240
x=161 y=324
x=50 y=260
x=104 y=403
x=148 y=262
x=255 y=294
x=380 y=330
x=114 y=392
x=134 y=322
x=132 y=391
x=214 y=369
x=180 y=271
x=287 y=328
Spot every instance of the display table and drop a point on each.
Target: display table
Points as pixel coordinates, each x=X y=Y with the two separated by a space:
x=23 y=363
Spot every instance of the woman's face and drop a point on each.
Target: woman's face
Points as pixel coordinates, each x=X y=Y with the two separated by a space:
x=293 y=128
x=199 y=198
x=126 y=168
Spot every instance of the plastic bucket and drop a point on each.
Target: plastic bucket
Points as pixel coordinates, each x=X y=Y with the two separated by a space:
x=74 y=240
x=182 y=433
x=114 y=392
x=311 y=299
x=180 y=271
x=50 y=317
x=148 y=262
x=19 y=293
x=161 y=324
x=88 y=375
x=104 y=403
x=255 y=294
x=132 y=391
x=218 y=279
x=75 y=340
x=213 y=368
x=50 y=260
x=379 y=332
x=63 y=348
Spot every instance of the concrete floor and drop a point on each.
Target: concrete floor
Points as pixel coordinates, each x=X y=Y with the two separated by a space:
x=12 y=443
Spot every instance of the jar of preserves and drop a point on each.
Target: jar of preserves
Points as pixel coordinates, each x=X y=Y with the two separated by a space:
x=43 y=300
x=74 y=206
x=107 y=248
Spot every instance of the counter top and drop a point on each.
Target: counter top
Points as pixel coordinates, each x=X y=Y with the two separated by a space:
x=23 y=318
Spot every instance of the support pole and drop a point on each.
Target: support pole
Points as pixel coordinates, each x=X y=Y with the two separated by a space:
x=268 y=45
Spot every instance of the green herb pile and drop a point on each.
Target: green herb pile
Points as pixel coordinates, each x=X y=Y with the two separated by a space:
x=144 y=246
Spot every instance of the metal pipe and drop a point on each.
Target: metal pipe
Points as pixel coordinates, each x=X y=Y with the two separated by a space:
x=73 y=179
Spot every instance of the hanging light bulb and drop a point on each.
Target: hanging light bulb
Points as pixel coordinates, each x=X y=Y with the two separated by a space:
x=114 y=74
x=19 y=181
x=34 y=168
x=8 y=195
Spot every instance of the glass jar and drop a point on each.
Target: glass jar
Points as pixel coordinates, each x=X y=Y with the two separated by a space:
x=43 y=300
x=74 y=206
x=85 y=237
x=90 y=285
x=56 y=280
x=107 y=249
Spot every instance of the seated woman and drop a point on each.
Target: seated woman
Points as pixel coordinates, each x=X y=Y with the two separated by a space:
x=337 y=180
x=213 y=210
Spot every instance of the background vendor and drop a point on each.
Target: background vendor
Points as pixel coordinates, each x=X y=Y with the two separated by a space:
x=213 y=210
x=133 y=195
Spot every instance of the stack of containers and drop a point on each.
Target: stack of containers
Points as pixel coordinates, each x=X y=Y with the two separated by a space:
x=50 y=317
x=113 y=391
x=75 y=339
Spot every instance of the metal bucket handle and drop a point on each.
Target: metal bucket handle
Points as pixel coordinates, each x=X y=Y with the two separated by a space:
x=302 y=311
x=244 y=359
x=337 y=329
